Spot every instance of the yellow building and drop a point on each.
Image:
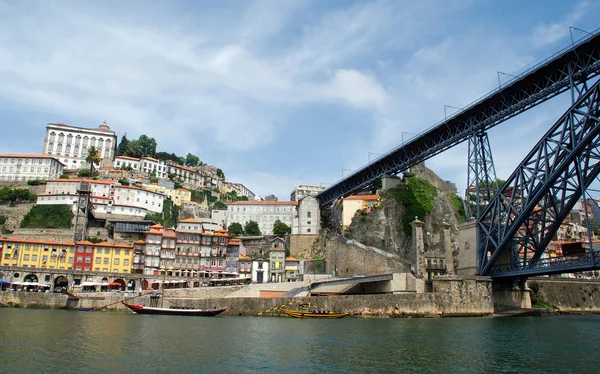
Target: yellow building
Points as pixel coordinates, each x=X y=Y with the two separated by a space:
x=352 y=204
x=177 y=195
x=37 y=254
x=112 y=258
x=49 y=254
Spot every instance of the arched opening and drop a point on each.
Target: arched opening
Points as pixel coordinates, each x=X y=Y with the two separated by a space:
x=30 y=278
x=61 y=283
x=117 y=285
x=144 y=284
x=131 y=285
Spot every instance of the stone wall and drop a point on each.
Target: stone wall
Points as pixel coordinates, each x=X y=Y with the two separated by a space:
x=466 y=258
x=60 y=235
x=353 y=260
x=569 y=295
x=14 y=214
x=454 y=296
x=304 y=246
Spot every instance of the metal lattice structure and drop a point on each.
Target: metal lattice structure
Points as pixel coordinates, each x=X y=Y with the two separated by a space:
x=567 y=68
x=520 y=221
x=81 y=213
x=482 y=183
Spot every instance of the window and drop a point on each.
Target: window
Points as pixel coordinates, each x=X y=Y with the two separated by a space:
x=79 y=258
x=125 y=262
x=106 y=261
x=88 y=260
x=34 y=257
x=26 y=257
x=98 y=260
x=88 y=249
x=116 y=261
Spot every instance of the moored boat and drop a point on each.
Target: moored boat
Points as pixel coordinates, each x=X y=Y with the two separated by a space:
x=312 y=313
x=174 y=311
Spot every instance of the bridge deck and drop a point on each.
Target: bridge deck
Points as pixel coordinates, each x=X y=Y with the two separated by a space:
x=548 y=79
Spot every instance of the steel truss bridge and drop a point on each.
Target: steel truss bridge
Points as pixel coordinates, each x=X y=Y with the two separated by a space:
x=516 y=223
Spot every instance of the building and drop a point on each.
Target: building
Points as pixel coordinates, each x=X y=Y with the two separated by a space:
x=108 y=197
x=70 y=144
x=127 y=163
x=304 y=190
x=308 y=219
x=292 y=269
x=245 y=266
x=277 y=260
x=265 y=213
x=348 y=206
x=260 y=270
x=219 y=216
x=198 y=210
x=82 y=256
x=241 y=190
x=177 y=195
x=23 y=167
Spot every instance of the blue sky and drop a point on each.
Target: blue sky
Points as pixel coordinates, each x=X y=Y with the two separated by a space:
x=276 y=93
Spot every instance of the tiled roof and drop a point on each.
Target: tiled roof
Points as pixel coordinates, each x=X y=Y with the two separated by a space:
x=363 y=197
x=189 y=220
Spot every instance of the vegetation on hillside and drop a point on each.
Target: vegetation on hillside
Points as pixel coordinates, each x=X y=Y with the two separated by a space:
x=16 y=195
x=235 y=229
x=251 y=228
x=48 y=216
x=169 y=215
x=416 y=195
x=281 y=229
x=459 y=206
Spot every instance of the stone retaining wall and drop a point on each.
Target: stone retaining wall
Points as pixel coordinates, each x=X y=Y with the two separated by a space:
x=570 y=295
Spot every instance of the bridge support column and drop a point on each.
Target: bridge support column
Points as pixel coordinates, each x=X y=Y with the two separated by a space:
x=418 y=247
x=510 y=295
x=447 y=246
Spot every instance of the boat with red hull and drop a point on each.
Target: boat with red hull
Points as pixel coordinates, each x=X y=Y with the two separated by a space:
x=173 y=311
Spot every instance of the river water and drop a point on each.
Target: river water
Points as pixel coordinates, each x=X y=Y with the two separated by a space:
x=52 y=341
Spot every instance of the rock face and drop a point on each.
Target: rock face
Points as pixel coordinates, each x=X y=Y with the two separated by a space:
x=383 y=227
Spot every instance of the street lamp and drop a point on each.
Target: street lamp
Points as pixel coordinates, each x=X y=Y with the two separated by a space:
x=405 y=132
x=372 y=153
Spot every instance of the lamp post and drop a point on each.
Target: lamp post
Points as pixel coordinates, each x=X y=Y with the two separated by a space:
x=405 y=132
x=372 y=153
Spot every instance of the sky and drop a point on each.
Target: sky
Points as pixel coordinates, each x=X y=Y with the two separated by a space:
x=277 y=93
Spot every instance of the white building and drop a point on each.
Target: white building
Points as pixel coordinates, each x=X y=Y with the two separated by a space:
x=265 y=213
x=70 y=144
x=18 y=167
x=304 y=190
x=308 y=219
x=219 y=215
x=241 y=190
x=127 y=162
x=107 y=197
x=260 y=270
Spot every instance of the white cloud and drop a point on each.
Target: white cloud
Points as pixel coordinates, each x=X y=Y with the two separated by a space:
x=545 y=34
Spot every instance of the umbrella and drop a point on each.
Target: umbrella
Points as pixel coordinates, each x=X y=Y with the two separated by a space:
x=4 y=283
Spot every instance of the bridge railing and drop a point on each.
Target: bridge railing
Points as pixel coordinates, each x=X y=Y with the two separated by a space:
x=550 y=265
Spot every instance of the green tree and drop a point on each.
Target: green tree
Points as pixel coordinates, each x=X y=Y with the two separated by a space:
x=219 y=205
x=122 y=147
x=134 y=149
x=191 y=160
x=251 y=228
x=147 y=145
x=84 y=173
x=220 y=173
x=235 y=229
x=124 y=181
x=93 y=157
x=281 y=229
x=63 y=176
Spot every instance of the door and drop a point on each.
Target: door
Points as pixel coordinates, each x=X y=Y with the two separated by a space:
x=259 y=277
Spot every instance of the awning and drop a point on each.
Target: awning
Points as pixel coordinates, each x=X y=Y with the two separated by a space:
x=291 y=268
x=4 y=283
x=89 y=284
x=114 y=284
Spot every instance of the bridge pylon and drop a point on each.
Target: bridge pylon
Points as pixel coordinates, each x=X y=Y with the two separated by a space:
x=482 y=184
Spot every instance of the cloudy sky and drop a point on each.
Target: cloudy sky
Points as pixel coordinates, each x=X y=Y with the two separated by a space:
x=276 y=93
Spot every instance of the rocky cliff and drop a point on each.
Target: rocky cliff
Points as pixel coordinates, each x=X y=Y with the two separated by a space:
x=388 y=227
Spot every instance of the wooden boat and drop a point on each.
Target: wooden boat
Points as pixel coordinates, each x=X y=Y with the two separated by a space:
x=173 y=311
x=312 y=313
x=83 y=309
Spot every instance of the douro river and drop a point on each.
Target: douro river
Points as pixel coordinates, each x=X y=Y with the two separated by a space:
x=60 y=341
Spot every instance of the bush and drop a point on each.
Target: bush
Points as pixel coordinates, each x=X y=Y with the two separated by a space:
x=63 y=176
x=2 y=220
x=17 y=195
x=416 y=195
x=35 y=182
x=48 y=216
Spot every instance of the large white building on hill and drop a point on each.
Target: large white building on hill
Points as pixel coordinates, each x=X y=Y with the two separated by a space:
x=70 y=144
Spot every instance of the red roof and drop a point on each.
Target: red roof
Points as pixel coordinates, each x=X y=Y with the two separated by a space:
x=363 y=197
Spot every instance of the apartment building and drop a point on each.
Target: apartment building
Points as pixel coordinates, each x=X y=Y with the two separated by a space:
x=265 y=213
x=305 y=190
x=26 y=167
